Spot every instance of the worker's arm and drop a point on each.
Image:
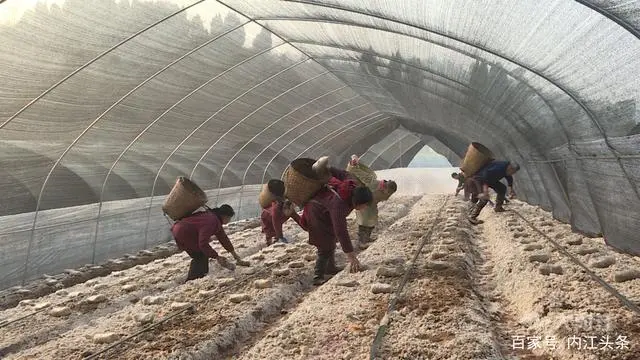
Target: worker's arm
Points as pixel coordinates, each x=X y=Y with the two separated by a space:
x=510 y=182
x=339 y=213
x=223 y=239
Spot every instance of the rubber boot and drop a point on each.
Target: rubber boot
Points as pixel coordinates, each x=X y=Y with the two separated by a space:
x=499 y=201
x=368 y=230
x=473 y=217
x=320 y=269
x=363 y=242
x=332 y=269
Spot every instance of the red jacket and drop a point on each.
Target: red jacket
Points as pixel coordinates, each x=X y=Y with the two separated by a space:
x=194 y=233
x=325 y=215
x=272 y=220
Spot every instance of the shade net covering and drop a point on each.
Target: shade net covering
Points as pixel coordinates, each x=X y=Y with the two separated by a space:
x=103 y=103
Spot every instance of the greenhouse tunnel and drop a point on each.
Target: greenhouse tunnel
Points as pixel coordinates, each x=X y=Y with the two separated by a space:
x=104 y=103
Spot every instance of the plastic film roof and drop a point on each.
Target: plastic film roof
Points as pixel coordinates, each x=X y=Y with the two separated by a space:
x=104 y=101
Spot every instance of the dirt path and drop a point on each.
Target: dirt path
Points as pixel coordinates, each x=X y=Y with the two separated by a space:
x=217 y=326
x=339 y=319
x=550 y=306
x=473 y=293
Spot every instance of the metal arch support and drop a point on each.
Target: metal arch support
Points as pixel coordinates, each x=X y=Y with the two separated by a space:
x=126 y=149
x=378 y=154
x=287 y=132
x=344 y=128
x=269 y=30
x=363 y=125
x=428 y=41
x=404 y=136
x=266 y=168
x=246 y=171
x=245 y=118
x=612 y=17
x=404 y=82
x=406 y=151
x=477 y=58
x=295 y=127
x=363 y=122
x=420 y=88
x=425 y=90
x=284 y=147
x=244 y=176
x=403 y=153
x=155 y=180
x=560 y=123
x=586 y=109
x=304 y=133
x=425 y=29
x=412 y=85
x=91 y=125
x=101 y=55
x=220 y=177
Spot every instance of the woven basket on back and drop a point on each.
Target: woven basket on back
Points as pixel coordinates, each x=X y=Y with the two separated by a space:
x=184 y=199
x=362 y=172
x=266 y=197
x=300 y=182
x=476 y=157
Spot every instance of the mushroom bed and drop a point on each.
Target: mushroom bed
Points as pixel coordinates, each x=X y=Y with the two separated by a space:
x=497 y=290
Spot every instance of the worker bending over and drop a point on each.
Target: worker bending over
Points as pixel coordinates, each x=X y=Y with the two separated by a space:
x=193 y=234
x=274 y=216
x=324 y=217
x=489 y=176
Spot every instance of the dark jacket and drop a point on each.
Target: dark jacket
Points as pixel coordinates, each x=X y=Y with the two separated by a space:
x=194 y=232
x=493 y=172
x=325 y=215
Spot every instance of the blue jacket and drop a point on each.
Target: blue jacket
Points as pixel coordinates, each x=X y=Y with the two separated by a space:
x=494 y=171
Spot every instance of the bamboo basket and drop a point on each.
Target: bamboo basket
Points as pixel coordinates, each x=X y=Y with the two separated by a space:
x=300 y=182
x=266 y=197
x=185 y=198
x=476 y=157
x=363 y=173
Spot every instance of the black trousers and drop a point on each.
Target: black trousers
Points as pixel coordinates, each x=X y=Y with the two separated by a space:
x=199 y=265
x=325 y=262
x=500 y=189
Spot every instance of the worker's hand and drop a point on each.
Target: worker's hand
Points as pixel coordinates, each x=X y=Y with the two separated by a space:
x=354 y=264
x=483 y=196
x=222 y=261
x=239 y=260
x=512 y=194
